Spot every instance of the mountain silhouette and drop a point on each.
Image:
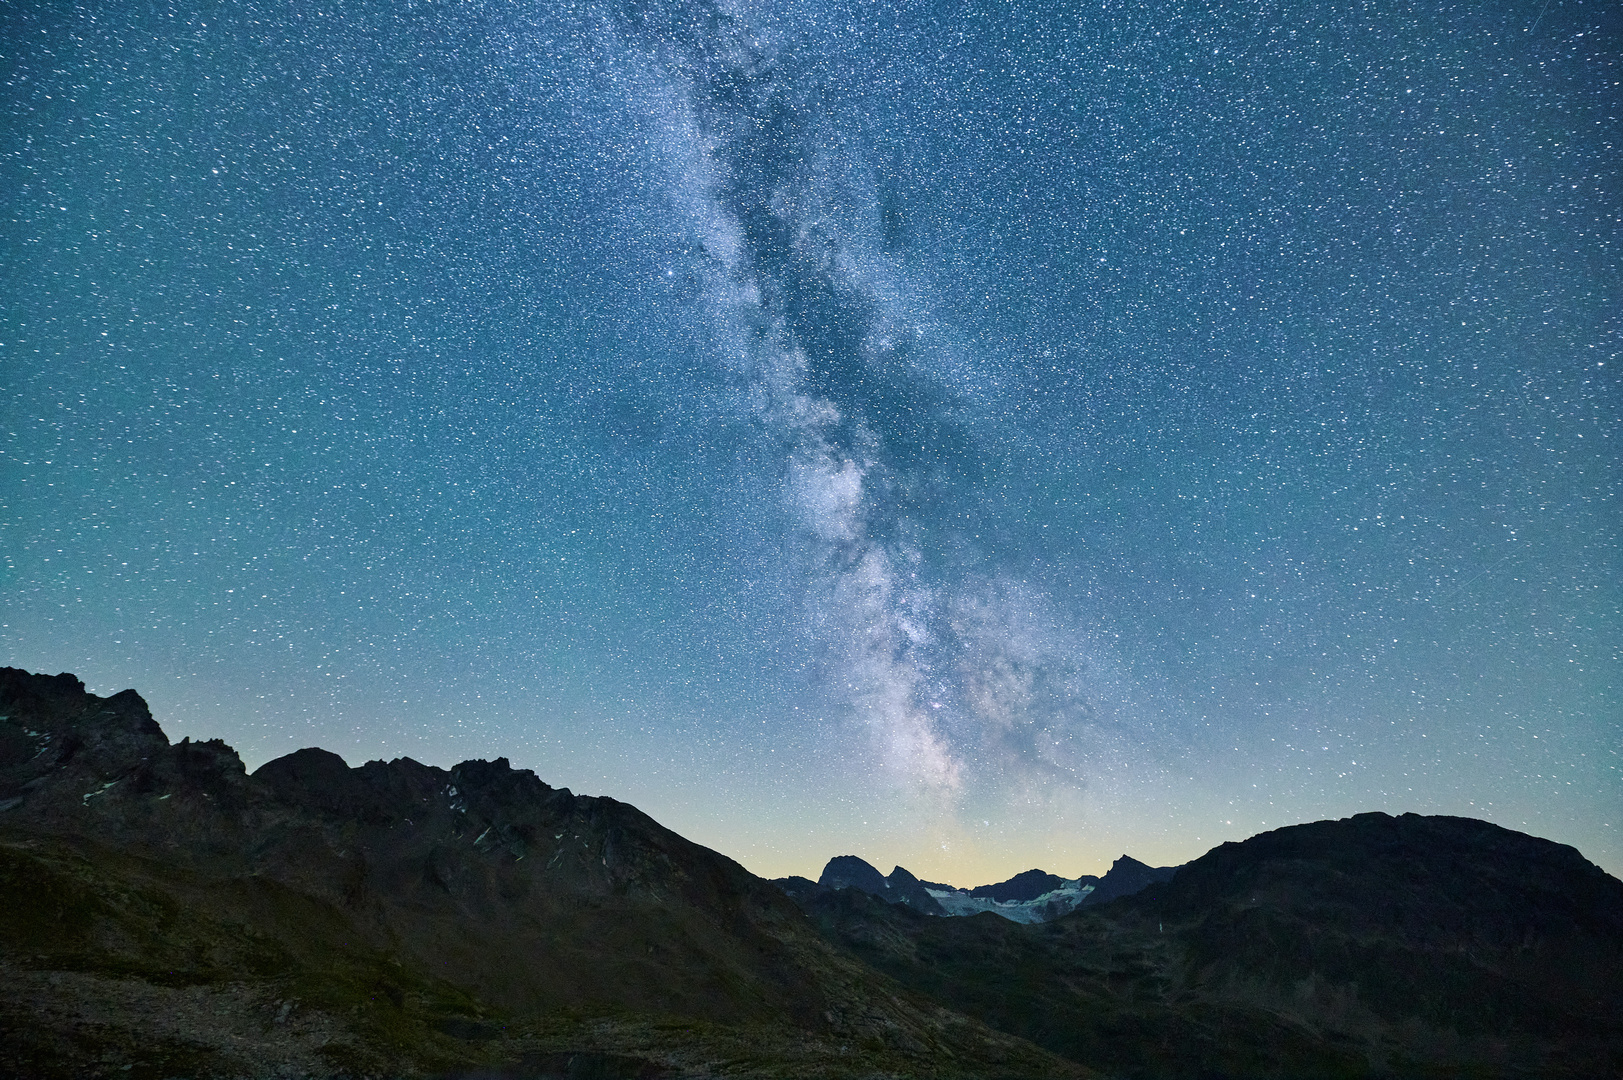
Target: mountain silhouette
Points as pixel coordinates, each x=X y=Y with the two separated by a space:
x=163 y=913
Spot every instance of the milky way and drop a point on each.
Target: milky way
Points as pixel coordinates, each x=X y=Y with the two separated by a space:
x=976 y=437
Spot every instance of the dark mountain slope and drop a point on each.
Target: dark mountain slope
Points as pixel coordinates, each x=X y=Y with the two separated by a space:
x=1367 y=947
x=163 y=910
x=1457 y=923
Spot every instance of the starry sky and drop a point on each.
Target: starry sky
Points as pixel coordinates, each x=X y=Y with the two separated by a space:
x=973 y=436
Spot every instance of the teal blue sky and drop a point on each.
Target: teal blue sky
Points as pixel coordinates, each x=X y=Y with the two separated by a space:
x=973 y=437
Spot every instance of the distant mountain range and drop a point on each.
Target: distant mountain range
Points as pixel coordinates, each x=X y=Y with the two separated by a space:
x=1029 y=897
x=165 y=914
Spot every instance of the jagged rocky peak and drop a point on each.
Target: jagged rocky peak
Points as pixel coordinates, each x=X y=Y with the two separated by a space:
x=54 y=716
x=65 y=752
x=851 y=872
x=386 y=791
x=52 y=700
x=75 y=763
x=901 y=878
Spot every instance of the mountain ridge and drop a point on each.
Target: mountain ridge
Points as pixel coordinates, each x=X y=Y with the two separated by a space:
x=1028 y=897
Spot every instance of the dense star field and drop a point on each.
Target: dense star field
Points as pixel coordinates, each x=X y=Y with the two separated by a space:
x=975 y=437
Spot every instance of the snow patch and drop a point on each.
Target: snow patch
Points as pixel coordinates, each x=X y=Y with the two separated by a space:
x=1050 y=905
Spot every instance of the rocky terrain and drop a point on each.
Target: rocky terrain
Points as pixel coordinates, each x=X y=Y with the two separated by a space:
x=165 y=914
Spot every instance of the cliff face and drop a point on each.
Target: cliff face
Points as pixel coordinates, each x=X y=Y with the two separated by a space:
x=391 y=917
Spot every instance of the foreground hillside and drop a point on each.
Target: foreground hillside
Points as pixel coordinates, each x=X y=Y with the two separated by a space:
x=164 y=914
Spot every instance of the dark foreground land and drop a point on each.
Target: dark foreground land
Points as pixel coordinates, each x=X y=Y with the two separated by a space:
x=165 y=914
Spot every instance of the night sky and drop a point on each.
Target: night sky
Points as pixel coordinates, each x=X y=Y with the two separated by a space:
x=972 y=436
